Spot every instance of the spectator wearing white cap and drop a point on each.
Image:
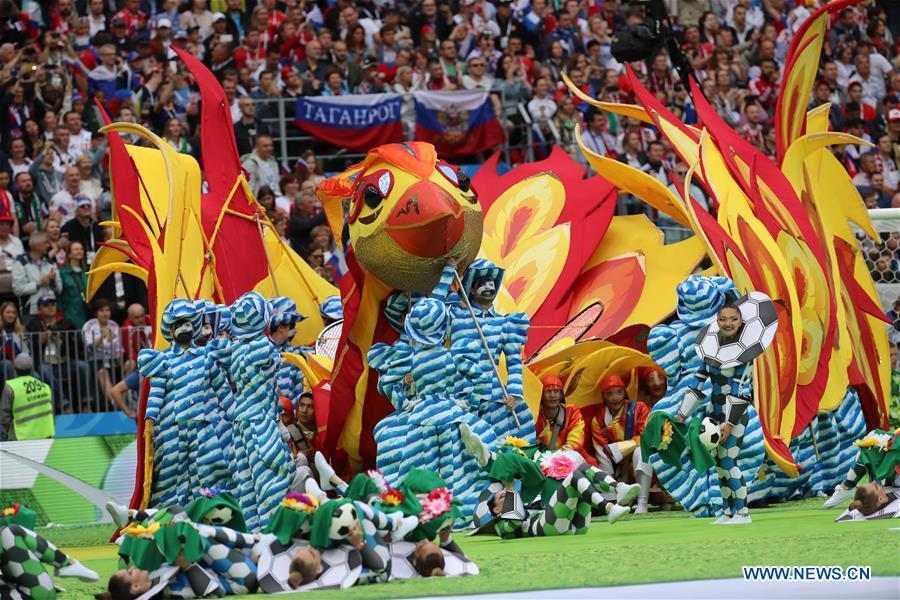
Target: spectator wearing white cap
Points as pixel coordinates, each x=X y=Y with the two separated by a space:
x=33 y=274
x=83 y=228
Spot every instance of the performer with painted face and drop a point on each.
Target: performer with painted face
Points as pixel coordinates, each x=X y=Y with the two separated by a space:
x=727 y=348
x=475 y=318
x=420 y=376
x=181 y=411
x=263 y=467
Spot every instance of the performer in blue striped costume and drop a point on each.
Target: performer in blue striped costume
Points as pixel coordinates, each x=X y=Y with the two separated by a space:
x=672 y=347
x=505 y=335
x=181 y=410
x=420 y=376
x=331 y=310
x=216 y=325
x=262 y=462
x=282 y=329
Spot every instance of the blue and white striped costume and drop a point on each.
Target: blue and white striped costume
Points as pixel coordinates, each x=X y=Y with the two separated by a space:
x=835 y=434
x=188 y=454
x=672 y=347
x=331 y=309
x=290 y=378
x=506 y=336
x=423 y=432
x=262 y=464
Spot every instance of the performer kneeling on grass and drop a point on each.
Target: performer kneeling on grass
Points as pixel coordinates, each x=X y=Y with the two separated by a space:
x=560 y=426
x=616 y=432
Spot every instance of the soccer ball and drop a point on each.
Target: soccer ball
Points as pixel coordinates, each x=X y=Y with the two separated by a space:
x=710 y=433
x=220 y=515
x=342 y=521
x=760 y=324
x=483 y=514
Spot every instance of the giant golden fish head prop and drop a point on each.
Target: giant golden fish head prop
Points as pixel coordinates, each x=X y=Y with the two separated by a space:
x=409 y=214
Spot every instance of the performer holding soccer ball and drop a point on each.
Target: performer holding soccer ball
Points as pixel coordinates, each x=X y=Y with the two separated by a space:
x=743 y=329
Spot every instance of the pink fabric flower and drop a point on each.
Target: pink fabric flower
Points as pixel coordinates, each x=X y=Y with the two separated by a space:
x=437 y=502
x=557 y=465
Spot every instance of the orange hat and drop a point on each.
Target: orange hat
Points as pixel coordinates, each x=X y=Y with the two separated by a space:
x=611 y=381
x=645 y=372
x=552 y=382
x=286 y=404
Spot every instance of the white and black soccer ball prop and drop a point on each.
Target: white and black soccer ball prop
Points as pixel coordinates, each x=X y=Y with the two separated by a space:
x=760 y=324
x=342 y=521
x=483 y=517
x=710 y=432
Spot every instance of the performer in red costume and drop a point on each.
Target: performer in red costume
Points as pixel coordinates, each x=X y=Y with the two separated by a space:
x=560 y=426
x=616 y=432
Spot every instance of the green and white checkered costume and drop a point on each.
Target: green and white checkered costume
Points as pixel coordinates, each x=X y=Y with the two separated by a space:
x=567 y=511
x=24 y=556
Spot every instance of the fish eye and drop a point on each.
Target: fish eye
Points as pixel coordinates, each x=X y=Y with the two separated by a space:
x=371 y=196
x=465 y=184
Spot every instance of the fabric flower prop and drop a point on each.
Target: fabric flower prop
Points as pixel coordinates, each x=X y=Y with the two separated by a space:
x=300 y=503
x=392 y=497
x=515 y=442
x=557 y=465
x=666 y=435
x=11 y=511
x=210 y=492
x=437 y=502
x=379 y=480
x=874 y=438
x=138 y=530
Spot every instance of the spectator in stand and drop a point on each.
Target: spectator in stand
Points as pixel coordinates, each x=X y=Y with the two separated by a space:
x=656 y=163
x=136 y=335
x=373 y=80
x=33 y=275
x=59 y=243
x=74 y=285
x=261 y=166
x=304 y=219
x=19 y=161
x=103 y=346
x=10 y=245
x=476 y=76
x=597 y=137
x=63 y=202
x=57 y=352
x=84 y=228
x=332 y=256
x=12 y=336
x=248 y=127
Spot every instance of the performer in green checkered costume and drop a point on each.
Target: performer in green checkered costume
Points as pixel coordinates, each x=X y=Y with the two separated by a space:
x=563 y=505
x=24 y=558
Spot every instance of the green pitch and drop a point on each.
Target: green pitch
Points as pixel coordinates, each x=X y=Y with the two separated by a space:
x=638 y=549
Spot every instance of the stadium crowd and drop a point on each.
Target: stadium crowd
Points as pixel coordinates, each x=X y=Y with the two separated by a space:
x=57 y=58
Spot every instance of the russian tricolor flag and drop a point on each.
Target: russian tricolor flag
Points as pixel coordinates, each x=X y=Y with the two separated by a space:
x=358 y=122
x=457 y=123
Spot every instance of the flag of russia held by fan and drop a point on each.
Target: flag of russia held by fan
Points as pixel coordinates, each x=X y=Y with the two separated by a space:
x=358 y=122
x=457 y=123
